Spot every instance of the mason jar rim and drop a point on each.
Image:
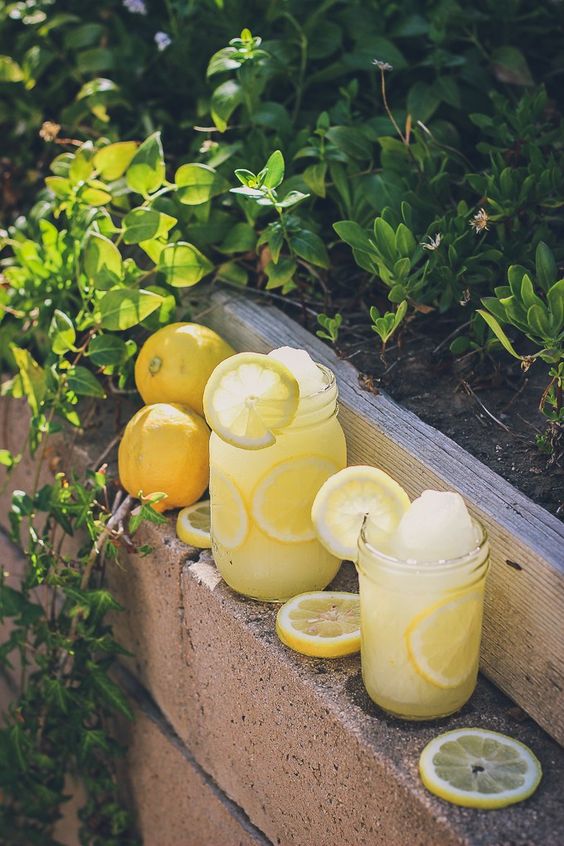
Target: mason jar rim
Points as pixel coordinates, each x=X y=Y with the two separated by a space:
x=411 y=564
x=331 y=382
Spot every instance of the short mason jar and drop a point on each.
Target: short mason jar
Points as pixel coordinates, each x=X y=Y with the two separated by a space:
x=421 y=625
x=263 y=540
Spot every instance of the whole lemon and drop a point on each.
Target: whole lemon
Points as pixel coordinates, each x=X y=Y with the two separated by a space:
x=165 y=447
x=175 y=363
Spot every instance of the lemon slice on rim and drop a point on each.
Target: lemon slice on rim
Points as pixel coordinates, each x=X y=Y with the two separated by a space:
x=478 y=768
x=193 y=524
x=248 y=398
x=282 y=499
x=343 y=501
x=443 y=641
x=229 y=518
x=322 y=623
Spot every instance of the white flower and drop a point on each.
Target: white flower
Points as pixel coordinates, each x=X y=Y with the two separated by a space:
x=432 y=243
x=136 y=7
x=479 y=222
x=162 y=40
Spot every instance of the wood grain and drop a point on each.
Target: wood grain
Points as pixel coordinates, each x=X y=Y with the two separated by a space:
x=523 y=641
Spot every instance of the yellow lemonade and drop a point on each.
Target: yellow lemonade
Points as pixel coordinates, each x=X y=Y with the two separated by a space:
x=421 y=625
x=263 y=540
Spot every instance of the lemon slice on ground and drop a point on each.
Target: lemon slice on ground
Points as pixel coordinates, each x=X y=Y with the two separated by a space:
x=229 y=518
x=248 y=398
x=193 y=524
x=323 y=624
x=478 y=768
x=282 y=499
x=443 y=640
x=343 y=501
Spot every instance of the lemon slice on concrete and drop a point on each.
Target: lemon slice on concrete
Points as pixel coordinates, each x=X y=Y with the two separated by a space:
x=282 y=499
x=193 y=524
x=478 y=768
x=248 y=398
x=343 y=501
x=443 y=640
x=229 y=518
x=323 y=624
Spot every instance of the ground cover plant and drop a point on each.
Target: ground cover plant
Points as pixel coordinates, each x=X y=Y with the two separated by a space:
x=385 y=166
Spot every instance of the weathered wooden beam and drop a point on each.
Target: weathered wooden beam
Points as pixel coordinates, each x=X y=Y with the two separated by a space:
x=523 y=643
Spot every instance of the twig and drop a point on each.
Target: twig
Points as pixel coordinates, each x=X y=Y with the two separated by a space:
x=471 y=393
x=106 y=451
x=452 y=334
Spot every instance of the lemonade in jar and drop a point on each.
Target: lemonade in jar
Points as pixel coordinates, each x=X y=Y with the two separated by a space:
x=275 y=440
x=421 y=600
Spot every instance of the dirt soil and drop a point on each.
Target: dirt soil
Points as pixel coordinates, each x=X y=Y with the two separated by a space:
x=489 y=407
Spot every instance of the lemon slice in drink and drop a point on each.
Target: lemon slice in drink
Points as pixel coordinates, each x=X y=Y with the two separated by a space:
x=193 y=524
x=478 y=768
x=282 y=499
x=343 y=501
x=322 y=624
x=230 y=521
x=248 y=398
x=442 y=641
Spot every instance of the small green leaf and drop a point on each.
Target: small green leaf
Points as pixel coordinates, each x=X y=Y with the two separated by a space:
x=274 y=170
x=96 y=86
x=144 y=224
x=498 y=332
x=183 y=264
x=314 y=177
x=281 y=273
x=224 y=101
x=124 y=308
x=10 y=71
x=510 y=66
x=84 y=383
x=112 y=161
x=32 y=377
x=545 y=265
x=350 y=141
x=102 y=261
x=60 y=186
x=105 y=350
x=111 y=694
x=405 y=241
x=385 y=239
x=353 y=235
x=241 y=238
x=61 y=332
x=309 y=246
x=146 y=172
x=198 y=183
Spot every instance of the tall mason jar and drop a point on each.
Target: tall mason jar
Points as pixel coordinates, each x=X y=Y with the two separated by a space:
x=421 y=625
x=263 y=540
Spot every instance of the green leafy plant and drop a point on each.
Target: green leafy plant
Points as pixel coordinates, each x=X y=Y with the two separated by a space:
x=385 y=325
x=536 y=310
x=329 y=327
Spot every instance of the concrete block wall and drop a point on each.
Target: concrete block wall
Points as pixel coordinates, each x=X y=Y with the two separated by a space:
x=238 y=740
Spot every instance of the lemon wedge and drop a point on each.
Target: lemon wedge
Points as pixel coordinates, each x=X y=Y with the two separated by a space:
x=248 y=398
x=479 y=768
x=229 y=518
x=193 y=524
x=282 y=499
x=343 y=501
x=322 y=624
x=443 y=641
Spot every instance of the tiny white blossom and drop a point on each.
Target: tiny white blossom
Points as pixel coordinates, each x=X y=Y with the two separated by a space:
x=383 y=66
x=432 y=243
x=162 y=40
x=136 y=7
x=479 y=222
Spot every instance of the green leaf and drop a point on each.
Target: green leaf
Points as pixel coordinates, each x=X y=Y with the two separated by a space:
x=198 y=183
x=105 y=350
x=10 y=71
x=223 y=61
x=385 y=239
x=32 y=377
x=545 y=266
x=60 y=186
x=111 y=694
x=405 y=241
x=291 y=199
x=351 y=142
x=498 y=332
x=183 y=264
x=274 y=170
x=281 y=273
x=353 y=235
x=94 y=194
x=95 y=60
x=555 y=299
x=84 y=383
x=144 y=224
x=124 y=308
x=309 y=246
x=61 y=332
x=153 y=247
x=241 y=238
x=112 y=161
x=232 y=272
x=314 y=177
x=422 y=101
x=224 y=101
x=146 y=172
x=538 y=321
x=96 y=86
x=510 y=66
x=102 y=261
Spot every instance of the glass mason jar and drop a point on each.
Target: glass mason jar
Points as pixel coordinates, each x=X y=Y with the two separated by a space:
x=263 y=539
x=421 y=625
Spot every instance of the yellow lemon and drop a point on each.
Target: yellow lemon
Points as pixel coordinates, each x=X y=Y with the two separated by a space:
x=165 y=448
x=175 y=363
x=323 y=623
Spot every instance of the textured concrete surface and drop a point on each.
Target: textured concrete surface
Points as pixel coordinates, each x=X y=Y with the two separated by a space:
x=175 y=804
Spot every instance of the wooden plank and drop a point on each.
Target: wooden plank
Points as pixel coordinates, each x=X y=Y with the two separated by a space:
x=523 y=644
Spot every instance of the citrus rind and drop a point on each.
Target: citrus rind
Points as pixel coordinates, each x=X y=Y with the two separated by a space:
x=321 y=624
